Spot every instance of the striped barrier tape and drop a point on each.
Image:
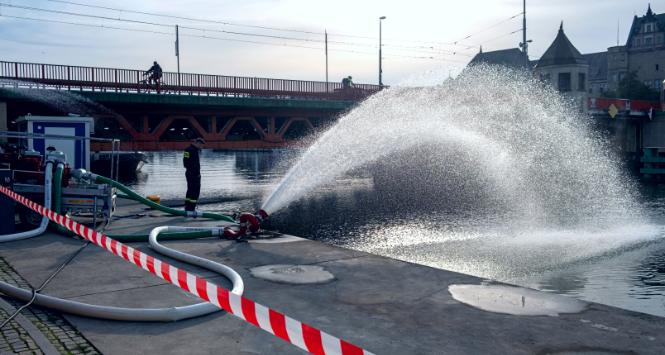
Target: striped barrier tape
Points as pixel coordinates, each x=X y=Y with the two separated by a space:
x=295 y=332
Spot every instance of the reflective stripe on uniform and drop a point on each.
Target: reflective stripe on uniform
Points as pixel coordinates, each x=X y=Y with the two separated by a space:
x=185 y=155
x=190 y=200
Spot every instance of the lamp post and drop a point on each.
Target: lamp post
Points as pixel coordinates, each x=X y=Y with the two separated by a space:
x=380 y=69
x=662 y=96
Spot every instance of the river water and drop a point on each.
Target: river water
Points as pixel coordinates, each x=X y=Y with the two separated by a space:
x=622 y=267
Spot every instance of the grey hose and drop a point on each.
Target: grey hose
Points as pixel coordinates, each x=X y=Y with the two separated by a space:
x=48 y=177
x=169 y=314
x=238 y=285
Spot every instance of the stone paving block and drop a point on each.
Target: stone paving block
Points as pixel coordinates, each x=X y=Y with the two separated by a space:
x=14 y=339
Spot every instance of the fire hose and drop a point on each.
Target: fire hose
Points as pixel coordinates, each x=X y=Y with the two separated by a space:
x=297 y=333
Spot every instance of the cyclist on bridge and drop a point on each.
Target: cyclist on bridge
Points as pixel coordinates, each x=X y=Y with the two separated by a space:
x=155 y=73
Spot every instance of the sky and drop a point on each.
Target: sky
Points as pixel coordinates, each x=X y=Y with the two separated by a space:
x=421 y=38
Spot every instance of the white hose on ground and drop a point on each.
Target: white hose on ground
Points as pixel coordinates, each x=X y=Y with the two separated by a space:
x=238 y=285
x=48 y=177
x=169 y=314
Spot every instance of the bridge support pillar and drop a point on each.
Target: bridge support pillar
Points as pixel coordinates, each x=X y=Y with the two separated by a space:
x=271 y=125
x=213 y=125
x=146 y=125
x=3 y=119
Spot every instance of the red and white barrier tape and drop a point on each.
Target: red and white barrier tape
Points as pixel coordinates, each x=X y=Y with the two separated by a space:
x=299 y=334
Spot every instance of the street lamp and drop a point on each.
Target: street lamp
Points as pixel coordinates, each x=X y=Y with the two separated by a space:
x=380 y=69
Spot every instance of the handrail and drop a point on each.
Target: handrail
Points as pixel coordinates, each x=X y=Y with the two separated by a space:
x=97 y=78
x=15 y=134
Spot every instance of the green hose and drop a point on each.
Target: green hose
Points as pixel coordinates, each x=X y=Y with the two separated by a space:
x=129 y=238
x=123 y=238
x=134 y=196
x=57 y=188
x=57 y=195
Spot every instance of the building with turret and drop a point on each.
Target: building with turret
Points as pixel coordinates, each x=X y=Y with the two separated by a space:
x=596 y=73
x=566 y=69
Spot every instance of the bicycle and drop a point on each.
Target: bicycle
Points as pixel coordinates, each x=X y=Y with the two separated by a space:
x=150 y=82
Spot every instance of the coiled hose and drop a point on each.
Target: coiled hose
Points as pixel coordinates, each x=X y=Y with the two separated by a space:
x=169 y=314
x=48 y=176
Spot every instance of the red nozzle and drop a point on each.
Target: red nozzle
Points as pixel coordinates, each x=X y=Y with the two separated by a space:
x=247 y=221
x=231 y=234
x=262 y=214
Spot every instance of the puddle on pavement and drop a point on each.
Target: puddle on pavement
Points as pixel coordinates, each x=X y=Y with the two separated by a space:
x=515 y=300
x=293 y=274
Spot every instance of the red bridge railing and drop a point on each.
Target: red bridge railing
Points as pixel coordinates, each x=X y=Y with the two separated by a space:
x=131 y=80
x=632 y=107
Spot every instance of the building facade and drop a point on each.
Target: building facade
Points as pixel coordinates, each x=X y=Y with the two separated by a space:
x=643 y=53
x=566 y=69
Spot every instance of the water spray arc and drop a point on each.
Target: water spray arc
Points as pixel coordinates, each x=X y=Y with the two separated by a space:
x=509 y=177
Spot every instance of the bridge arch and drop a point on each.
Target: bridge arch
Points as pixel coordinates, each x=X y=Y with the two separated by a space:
x=237 y=122
x=293 y=123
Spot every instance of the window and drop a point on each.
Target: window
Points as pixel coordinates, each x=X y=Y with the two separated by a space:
x=648 y=41
x=648 y=27
x=657 y=67
x=564 y=82
x=581 y=82
x=658 y=85
x=638 y=42
x=545 y=77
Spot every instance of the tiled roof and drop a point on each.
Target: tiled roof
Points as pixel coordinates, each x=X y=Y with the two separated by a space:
x=561 y=52
x=509 y=57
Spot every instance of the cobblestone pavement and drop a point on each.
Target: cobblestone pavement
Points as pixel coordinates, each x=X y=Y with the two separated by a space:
x=15 y=339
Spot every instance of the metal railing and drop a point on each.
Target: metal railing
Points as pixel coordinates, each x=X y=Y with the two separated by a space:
x=132 y=80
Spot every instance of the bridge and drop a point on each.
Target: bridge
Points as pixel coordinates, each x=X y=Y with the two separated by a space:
x=228 y=112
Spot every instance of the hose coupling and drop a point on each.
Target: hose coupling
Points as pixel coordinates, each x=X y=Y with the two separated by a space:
x=262 y=215
x=82 y=174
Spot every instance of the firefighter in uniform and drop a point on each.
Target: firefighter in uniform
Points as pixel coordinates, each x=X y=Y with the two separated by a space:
x=190 y=159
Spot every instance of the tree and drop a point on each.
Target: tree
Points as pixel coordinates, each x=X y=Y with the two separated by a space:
x=633 y=89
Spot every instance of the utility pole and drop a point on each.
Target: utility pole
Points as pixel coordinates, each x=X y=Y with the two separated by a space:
x=326 y=33
x=177 y=51
x=525 y=45
x=380 y=57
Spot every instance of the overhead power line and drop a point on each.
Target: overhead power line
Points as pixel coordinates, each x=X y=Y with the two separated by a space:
x=497 y=37
x=457 y=42
x=163 y=25
x=432 y=50
x=390 y=55
x=69 y=13
x=272 y=28
x=151 y=31
x=85 y=24
x=488 y=28
x=194 y=19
